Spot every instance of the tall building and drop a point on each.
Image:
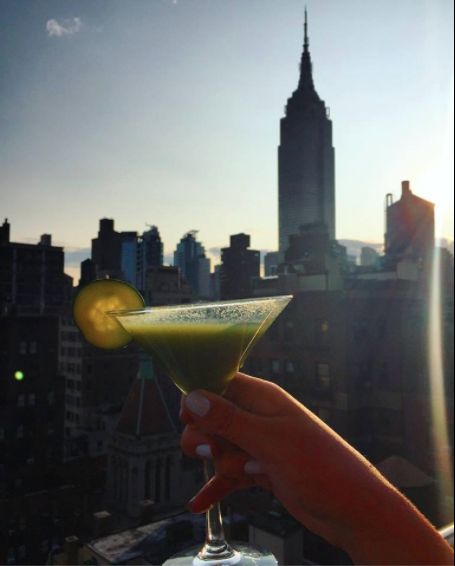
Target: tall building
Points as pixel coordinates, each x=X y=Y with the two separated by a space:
x=129 y=257
x=150 y=254
x=107 y=250
x=239 y=266
x=306 y=160
x=410 y=228
x=194 y=265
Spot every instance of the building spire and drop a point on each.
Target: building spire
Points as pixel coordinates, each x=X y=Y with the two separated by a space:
x=306 y=67
x=307 y=41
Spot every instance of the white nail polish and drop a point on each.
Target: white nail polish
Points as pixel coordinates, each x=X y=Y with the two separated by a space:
x=198 y=404
x=254 y=468
x=205 y=451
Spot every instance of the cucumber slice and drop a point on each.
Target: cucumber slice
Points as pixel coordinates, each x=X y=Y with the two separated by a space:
x=91 y=306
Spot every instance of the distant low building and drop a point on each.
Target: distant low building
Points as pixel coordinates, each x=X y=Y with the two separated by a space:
x=369 y=257
x=271 y=263
x=166 y=286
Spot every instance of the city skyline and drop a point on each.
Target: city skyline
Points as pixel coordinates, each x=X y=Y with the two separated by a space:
x=83 y=116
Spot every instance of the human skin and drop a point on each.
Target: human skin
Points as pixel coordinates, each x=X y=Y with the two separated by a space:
x=259 y=435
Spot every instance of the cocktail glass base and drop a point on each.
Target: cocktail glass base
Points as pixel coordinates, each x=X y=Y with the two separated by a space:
x=244 y=555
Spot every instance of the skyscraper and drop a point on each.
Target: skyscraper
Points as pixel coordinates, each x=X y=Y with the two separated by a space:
x=195 y=266
x=150 y=254
x=306 y=159
x=107 y=250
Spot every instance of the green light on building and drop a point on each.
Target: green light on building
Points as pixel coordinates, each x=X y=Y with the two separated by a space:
x=19 y=376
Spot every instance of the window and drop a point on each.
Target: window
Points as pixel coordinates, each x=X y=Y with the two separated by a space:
x=23 y=348
x=21 y=401
x=275 y=367
x=32 y=400
x=20 y=432
x=289 y=331
x=323 y=375
x=322 y=332
x=289 y=368
x=33 y=347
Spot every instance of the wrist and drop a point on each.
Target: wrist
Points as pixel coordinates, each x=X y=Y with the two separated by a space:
x=392 y=531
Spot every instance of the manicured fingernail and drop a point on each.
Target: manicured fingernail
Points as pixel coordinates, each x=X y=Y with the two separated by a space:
x=253 y=468
x=205 y=451
x=198 y=404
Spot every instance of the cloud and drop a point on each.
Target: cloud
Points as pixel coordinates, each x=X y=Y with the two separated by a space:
x=64 y=27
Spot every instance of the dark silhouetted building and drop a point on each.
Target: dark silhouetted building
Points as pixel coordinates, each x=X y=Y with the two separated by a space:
x=5 y=232
x=359 y=358
x=150 y=254
x=410 y=228
x=32 y=279
x=32 y=402
x=239 y=266
x=194 y=265
x=88 y=272
x=107 y=251
x=306 y=160
x=165 y=286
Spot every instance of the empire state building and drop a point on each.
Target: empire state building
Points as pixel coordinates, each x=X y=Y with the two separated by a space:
x=306 y=160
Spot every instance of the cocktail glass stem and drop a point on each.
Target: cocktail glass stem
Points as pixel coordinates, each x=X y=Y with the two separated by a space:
x=216 y=548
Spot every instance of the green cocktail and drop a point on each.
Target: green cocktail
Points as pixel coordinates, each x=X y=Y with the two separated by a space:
x=196 y=356
x=203 y=346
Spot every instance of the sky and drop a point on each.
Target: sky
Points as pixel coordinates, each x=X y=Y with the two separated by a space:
x=167 y=112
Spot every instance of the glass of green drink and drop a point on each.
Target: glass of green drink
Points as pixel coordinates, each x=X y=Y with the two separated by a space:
x=203 y=346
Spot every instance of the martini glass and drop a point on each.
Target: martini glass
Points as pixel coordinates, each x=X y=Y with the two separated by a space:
x=203 y=346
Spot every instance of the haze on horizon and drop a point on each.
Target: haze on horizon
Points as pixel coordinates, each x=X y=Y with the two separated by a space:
x=167 y=112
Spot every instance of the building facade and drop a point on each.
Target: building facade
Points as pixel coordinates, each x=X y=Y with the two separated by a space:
x=306 y=160
x=410 y=228
x=194 y=265
x=239 y=266
x=32 y=279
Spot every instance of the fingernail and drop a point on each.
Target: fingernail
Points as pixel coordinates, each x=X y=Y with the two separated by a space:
x=205 y=451
x=198 y=404
x=253 y=468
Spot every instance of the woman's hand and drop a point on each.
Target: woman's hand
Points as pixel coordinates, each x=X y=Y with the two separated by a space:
x=259 y=435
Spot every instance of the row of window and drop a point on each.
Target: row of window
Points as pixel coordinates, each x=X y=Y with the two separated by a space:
x=70 y=336
x=28 y=348
x=73 y=417
x=29 y=400
x=71 y=352
x=71 y=367
x=73 y=385
x=21 y=430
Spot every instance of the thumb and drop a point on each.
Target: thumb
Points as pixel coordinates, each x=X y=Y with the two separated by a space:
x=222 y=418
